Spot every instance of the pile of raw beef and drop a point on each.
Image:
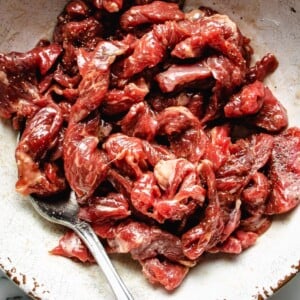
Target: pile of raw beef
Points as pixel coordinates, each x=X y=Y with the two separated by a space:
x=162 y=127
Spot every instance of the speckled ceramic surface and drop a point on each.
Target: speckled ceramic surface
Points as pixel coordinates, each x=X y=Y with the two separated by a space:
x=25 y=238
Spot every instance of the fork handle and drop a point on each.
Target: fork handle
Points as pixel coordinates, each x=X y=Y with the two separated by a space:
x=88 y=236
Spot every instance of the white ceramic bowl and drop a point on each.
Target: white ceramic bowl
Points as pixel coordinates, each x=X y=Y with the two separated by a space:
x=25 y=238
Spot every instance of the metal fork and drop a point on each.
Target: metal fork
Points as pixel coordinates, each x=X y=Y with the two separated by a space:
x=64 y=211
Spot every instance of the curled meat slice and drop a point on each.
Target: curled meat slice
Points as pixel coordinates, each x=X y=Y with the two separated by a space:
x=176 y=119
x=126 y=236
x=151 y=48
x=244 y=159
x=119 y=101
x=240 y=161
x=231 y=246
x=181 y=186
x=272 y=116
x=148 y=52
x=248 y=101
x=218 y=32
x=19 y=91
x=236 y=243
x=133 y=155
x=257 y=100
x=207 y=233
x=284 y=172
x=262 y=68
x=256 y=193
x=168 y=274
x=37 y=139
x=70 y=245
x=155 y=12
x=144 y=195
x=172 y=192
x=228 y=77
x=153 y=45
x=146 y=244
x=142 y=241
x=95 y=69
x=191 y=144
x=140 y=122
x=40 y=59
x=126 y=153
x=218 y=146
x=85 y=165
x=113 y=206
x=234 y=174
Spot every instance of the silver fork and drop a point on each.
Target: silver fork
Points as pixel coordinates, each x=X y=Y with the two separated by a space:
x=64 y=211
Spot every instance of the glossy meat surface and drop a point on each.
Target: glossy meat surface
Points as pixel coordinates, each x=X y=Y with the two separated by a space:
x=159 y=122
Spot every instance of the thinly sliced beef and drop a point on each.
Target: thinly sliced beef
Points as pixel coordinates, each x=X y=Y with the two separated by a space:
x=207 y=233
x=181 y=75
x=113 y=206
x=168 y=274
x=156 y=12
x=158 y=122
x=84 y=164
x=19 y=91
x=40 y=135
x=70 y=245
x=284 y=173
x=249 y=101
x=272 y=116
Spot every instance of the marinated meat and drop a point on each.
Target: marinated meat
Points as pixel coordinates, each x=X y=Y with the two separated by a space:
x=284 y=172
x=156 y=12
x=157 y=121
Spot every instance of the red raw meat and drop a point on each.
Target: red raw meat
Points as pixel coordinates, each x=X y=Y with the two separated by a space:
x=284 y=173
x=37 y=139
x=156 y=12
x=272 y=116
x=113 y=206
x=157 y=121
x=207 y=233
x=84 y=164
x=70 y=245
x=268 y=64
x=169 y=274
x=120 y=101
x=140 y=122
x=181 y=75
x=247 y=102
x=94 y=69
x=18 y=79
